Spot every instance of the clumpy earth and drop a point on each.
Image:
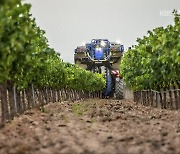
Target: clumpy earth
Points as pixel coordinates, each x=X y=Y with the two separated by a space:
x=93 y=126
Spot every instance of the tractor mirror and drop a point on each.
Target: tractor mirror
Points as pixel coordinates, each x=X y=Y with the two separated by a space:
x=121 y=48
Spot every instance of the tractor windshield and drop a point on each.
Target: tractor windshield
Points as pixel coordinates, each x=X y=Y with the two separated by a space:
x=101 y=44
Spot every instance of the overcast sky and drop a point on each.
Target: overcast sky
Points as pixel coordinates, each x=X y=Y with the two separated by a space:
x=69 y=23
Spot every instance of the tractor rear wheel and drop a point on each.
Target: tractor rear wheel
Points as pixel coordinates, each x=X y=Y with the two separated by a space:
x=119 y=91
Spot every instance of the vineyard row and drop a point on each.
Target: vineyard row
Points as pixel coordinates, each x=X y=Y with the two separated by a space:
x=14 y=102
x=169 y=99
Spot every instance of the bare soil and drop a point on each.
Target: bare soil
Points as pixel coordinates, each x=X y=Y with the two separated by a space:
x=93 y=126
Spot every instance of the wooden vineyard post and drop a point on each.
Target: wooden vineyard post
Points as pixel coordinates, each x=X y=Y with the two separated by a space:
x=171 y=100
x=143 y=97
x=11 y=100
x=45 y=96
x=178 y=91
x=60 y=93
x=66 y=95
x=151 y=97
x=176 y=98
x=96 y=94
x=33 y=96
x=148 y=97
x=55 y=95
x=75 y=95
x=29 y=97
x=36 y=97
x=18 y=101
x=138 y=96
x=160 y=100
x=36 y=93
x=85 y=95
x=78 y=95
x=15 y=99
x=41 y=98
x=157 y=99
x=134 y=97
x=23 y=100
x=4 y=103
x=70 y=95
x=48 y=93
x=165 y=100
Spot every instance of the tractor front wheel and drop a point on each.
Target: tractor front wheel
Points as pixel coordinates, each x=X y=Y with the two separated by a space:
x=119 y=91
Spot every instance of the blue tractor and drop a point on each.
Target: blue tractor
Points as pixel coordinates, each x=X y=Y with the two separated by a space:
x=102 y=56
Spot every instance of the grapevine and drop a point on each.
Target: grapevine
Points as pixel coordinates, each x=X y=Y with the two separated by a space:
x=155 y=61
x=26 y=58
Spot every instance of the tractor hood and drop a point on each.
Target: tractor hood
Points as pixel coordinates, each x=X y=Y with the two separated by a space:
x=99 y=54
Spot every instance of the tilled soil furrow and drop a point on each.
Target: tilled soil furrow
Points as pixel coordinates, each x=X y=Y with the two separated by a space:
x=93 y=126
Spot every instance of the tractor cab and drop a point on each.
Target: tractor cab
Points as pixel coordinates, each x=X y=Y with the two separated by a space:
x=100 y=49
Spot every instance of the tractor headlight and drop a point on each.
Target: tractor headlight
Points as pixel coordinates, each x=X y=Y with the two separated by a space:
x=103 y=44
x=98 y=49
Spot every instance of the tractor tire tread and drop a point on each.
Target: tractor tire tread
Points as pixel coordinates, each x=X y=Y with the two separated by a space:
x=119 y=90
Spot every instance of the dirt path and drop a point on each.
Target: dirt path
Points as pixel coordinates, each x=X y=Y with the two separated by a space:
x=93 y=126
